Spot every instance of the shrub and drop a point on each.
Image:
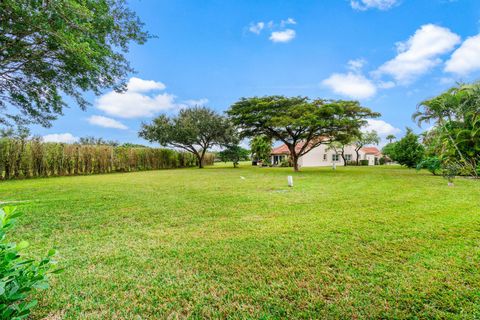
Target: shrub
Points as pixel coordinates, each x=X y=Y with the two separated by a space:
x=408 y=151
x=432 y=164
x=382 y=161
x=450 y=170
x=364 y=162
x=285 y=163
x=19 y=276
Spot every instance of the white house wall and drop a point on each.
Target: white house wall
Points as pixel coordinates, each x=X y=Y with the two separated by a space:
x=317 y=158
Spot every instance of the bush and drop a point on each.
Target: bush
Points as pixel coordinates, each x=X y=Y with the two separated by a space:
x=432 y=164
x=285 y=163
x=364 y=162
x=19 y=276
x=382 y=161
x=408 y=151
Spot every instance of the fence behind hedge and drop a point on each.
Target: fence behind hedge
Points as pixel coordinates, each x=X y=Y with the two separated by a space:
x=34 y=158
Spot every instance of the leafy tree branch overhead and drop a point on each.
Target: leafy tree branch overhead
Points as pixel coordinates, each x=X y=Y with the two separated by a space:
x=54 y=49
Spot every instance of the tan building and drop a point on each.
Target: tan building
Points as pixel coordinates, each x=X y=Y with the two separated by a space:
x=324 y=155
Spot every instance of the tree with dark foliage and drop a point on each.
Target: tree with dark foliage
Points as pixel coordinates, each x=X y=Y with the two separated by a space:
x=53 y=49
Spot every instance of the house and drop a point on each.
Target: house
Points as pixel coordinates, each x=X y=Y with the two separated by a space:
x=324 y=155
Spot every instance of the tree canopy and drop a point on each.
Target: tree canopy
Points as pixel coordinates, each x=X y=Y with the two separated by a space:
x=194 y=130
x=261 y=148
x=53 y=49
x=234 y=153
x=455 y=136
x=408 y=151
x=363 y=139
x=295 y=120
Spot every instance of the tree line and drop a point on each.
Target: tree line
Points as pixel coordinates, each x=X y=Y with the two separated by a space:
x=22 y=157
x=451 y=145
x=288 y=119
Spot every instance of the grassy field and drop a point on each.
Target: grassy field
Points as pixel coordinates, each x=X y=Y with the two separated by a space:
x=365 y=242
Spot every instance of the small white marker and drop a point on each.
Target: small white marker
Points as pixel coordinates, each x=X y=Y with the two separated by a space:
x=290 y=181
x=334 y=166
x=243 y=178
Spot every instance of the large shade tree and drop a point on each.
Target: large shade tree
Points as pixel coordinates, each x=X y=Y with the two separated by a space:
x=299 y=122
x=194 y=130
x=53 y=49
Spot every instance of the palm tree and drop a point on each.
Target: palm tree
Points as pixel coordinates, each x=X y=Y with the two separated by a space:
x=390 y=138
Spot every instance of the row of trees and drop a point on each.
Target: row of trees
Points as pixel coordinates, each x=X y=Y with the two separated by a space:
x=27 y=158
x=452 y=144
x=288 y=119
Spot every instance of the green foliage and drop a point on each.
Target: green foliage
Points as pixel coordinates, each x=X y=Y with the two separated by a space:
x=21 y=158
x=298 y=119
x=194 y=130
x=408 y=151
x=285 y=163
x=450 y=170
x=53 y=49
x=261 y=148
x=19 y=276
x=389 y=150
x=455 y=136
x=382 y=161
x=432 y=164
x=89 y=140
x=234 y=153
x=362 y=139
x=390 y=138
x=364 y=162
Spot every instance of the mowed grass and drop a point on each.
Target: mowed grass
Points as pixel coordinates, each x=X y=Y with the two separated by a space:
x=358 y=242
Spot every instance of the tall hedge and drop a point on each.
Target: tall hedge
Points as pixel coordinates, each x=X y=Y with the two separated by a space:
x=34 y=158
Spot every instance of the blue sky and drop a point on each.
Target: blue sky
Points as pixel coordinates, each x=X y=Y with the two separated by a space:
x=389 y=54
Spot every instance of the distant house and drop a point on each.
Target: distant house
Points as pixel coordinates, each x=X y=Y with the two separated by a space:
x=324 y=155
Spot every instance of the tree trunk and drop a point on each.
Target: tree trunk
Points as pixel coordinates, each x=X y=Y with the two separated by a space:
x=344 y=161
x=358 y=155
x=295 y=163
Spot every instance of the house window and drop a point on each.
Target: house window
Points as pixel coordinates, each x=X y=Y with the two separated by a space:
x=324 y=157
x=334 y=157
x=348 y=157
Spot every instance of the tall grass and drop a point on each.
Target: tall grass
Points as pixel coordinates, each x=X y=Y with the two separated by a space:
x=21 y=158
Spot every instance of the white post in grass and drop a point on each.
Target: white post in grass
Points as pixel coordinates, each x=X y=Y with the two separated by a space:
x=290 y=181
x=334 y=166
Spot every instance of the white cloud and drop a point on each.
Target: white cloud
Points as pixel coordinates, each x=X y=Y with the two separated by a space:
x=256 y=27
x=357 y=64
x=369 y=4
x=283 y=23
x=137 y=101
x=350 y=84
x=60 y=137
x=196 y=102
x=465 y=59
x=106 y=122
x=419 y=53
x=283 y=36
x=140 y=85
x=385 y=84
x=381 y=127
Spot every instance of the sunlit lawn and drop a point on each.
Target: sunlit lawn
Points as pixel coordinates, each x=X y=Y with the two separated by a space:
x=359 y=242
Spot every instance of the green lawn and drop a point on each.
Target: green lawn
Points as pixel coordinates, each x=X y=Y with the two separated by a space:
x=364 y=242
